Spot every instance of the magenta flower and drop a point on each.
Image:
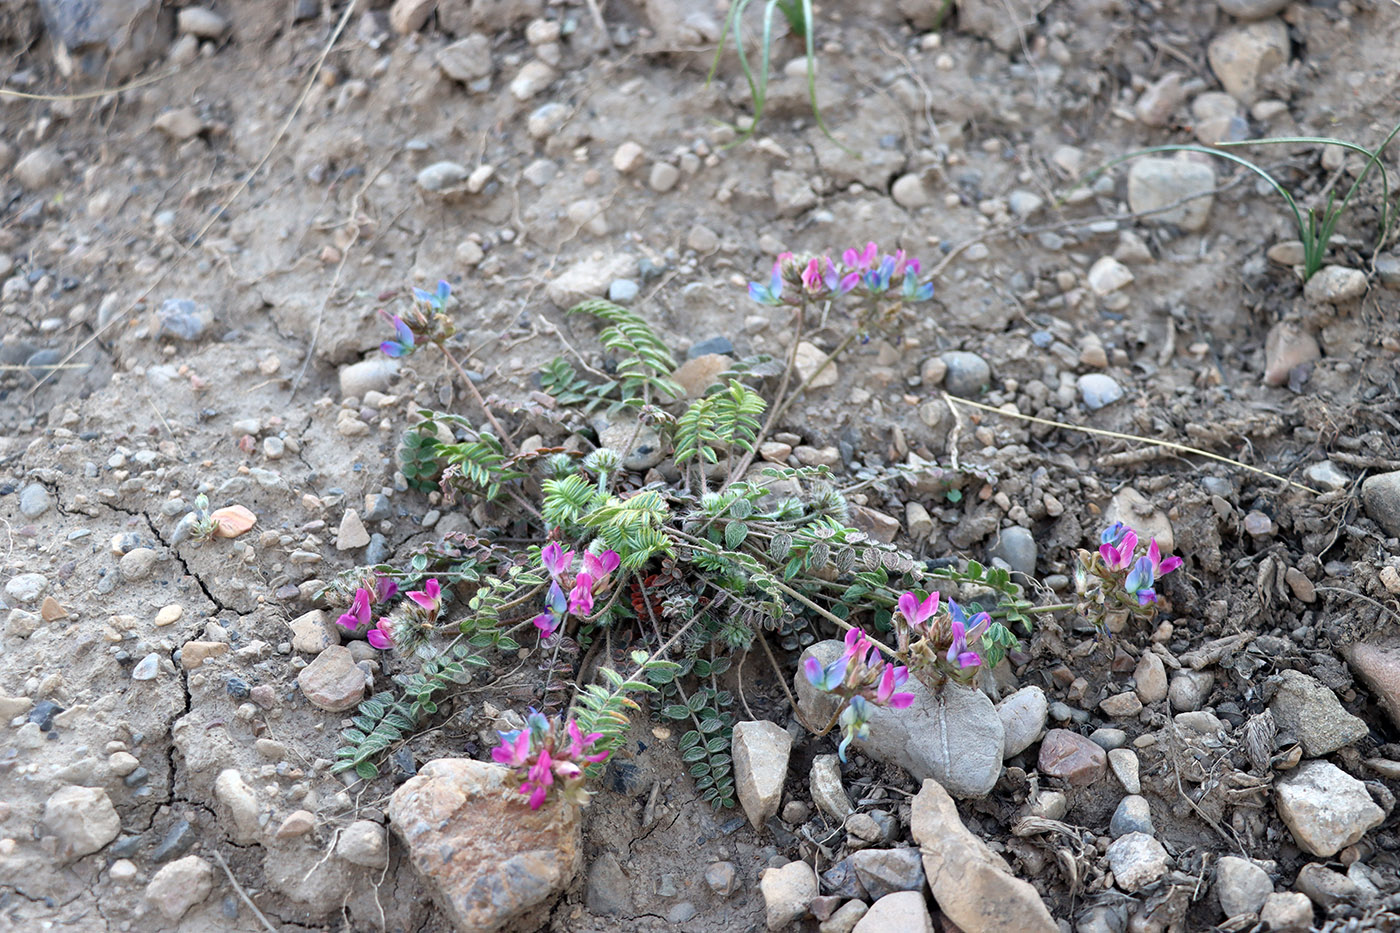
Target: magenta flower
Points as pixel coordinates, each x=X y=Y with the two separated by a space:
x=812 y=276
x=862 y=260
x=601 y=565
x=1161 y=566
x=917 y=613
x=379 y=636
x=384 y=588
x=546 y=622
x=540 y=777
x=1120 y=557
x=556 y=560
x=892 y=678
x=581 y=596
x=358 y=614
x=429 y=597
x=579 y=744
x=514 y=750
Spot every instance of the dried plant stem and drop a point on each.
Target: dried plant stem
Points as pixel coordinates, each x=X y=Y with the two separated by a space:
x=778 y=672
x=1170 y=445
x=476 y=394
x=778 y=400
x=830 y=358
x=830 y=617
x=238 y=889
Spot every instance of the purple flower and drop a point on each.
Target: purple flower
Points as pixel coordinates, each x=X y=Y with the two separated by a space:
x=917 y=613
x=1140 y=580
x=556 y=602
x=772 y=293
x=855 y=724
x=436 y=300
x=913 y=291
x=556 y=560
x=1120 y=557
x=359 y=611
x=826 y=678
x=404 y=345
x=965 y=632
x=812 y=276
x=429 y=597
x=384 y=588
x=1113 y=533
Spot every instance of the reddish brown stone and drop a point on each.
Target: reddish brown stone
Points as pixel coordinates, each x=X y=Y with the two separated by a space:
x=1068 y=755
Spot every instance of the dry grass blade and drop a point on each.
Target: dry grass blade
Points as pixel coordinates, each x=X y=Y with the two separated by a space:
x=1169 y=445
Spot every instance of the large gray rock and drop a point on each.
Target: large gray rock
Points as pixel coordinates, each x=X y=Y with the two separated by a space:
x=1154 y=183
x=1325 y=808
x=953 y=736
x=180 y=885
x=1023 y=719
x=760 y=751
x=1243 y=56
x=786 y=892
x=93 y=37
x=903 y=910
x=82 y=819
x=1314 y=715
x=490 y=862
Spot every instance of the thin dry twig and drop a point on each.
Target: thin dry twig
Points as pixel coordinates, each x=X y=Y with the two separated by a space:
x=1170 y=445
x=238 y=889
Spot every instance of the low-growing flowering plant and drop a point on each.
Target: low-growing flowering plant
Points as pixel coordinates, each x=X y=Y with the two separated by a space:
x=546 y=753
x=357 y=617
x=1117 y=582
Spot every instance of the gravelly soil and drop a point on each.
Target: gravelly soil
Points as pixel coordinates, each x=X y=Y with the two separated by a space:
x=289 y=274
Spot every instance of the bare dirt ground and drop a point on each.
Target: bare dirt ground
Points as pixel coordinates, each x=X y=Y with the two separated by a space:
x=246 y=396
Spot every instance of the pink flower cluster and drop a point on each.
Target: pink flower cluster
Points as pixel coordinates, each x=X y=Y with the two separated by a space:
x=581 y=589
x=427 y=601
x=548 y=751
x=862 y=678
x=865 y=271
x=946 y=643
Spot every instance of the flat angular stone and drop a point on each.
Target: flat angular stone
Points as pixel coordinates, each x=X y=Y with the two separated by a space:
x=489 y=861
x=760 y=751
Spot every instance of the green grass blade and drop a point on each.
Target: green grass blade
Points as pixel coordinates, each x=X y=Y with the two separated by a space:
x=1238 y=160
